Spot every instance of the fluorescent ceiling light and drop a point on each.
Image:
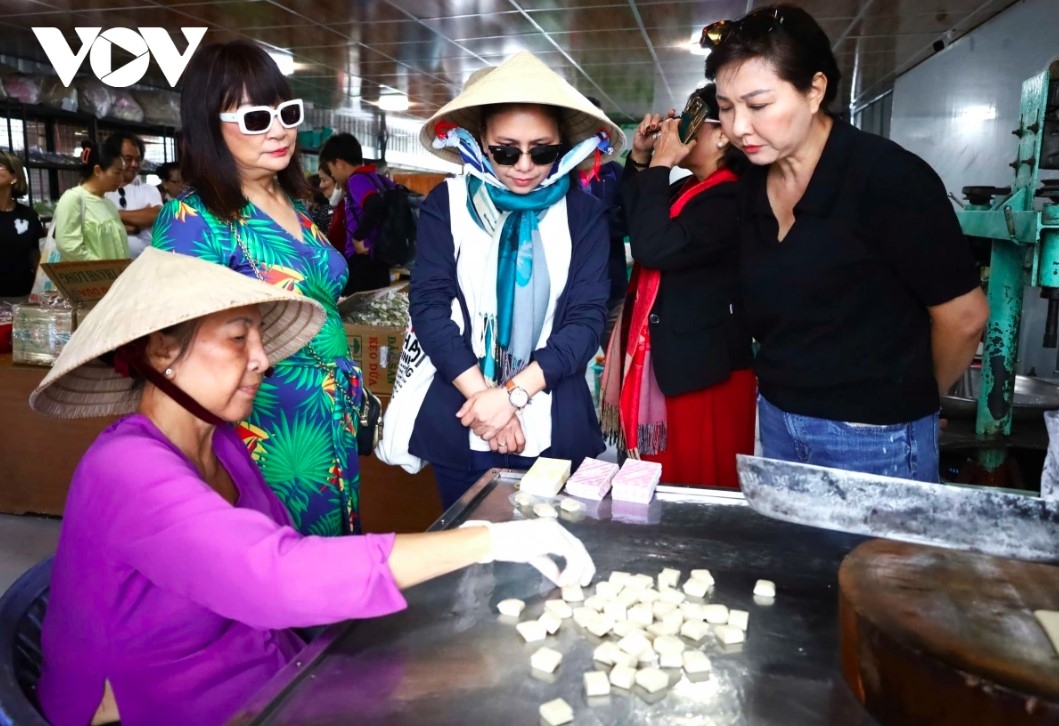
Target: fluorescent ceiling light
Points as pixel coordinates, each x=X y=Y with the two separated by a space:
x=393 y=102
x=283 y=59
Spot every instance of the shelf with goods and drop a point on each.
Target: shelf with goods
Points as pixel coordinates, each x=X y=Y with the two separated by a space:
x=49 y=141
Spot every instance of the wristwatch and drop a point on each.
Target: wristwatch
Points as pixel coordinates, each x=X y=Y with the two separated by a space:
x=516 y=395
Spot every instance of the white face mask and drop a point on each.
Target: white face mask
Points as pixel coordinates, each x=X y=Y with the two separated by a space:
x=336 y=197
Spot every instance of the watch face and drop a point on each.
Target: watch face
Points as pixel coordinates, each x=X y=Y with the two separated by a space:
x=518 y=397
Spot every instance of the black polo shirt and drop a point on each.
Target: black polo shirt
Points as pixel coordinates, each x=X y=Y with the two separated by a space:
x=840 y=306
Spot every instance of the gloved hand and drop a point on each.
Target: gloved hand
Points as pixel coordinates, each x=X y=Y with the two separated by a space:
x=532 y=541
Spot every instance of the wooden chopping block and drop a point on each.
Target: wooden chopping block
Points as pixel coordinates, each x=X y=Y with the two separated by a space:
x=936 y=636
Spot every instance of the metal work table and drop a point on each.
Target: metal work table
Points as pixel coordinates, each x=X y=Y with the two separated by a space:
x=450 y=659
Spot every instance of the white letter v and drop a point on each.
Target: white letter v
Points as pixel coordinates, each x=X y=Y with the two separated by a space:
x=62 y=58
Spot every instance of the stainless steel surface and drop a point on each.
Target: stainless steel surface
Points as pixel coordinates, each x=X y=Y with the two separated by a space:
x=980 y=519
x=1033 y=396
x=449 y=659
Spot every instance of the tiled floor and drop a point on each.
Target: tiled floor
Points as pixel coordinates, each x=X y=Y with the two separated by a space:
x=24 y=541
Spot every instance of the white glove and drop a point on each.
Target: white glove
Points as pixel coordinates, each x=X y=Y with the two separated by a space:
x=531 y=541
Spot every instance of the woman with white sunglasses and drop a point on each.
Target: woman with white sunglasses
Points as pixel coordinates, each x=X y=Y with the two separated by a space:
x=245 y=212
x=524 y=252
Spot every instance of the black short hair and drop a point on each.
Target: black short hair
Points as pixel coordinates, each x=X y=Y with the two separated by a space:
x=164 y=170
x=342 y=147
x=795 y=45
x=102 y=155
x=118 y=138
x=216 y=79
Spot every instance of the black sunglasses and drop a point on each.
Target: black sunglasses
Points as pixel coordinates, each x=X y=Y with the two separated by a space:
x=759 y=22
x=539 y=155
x=121 y=197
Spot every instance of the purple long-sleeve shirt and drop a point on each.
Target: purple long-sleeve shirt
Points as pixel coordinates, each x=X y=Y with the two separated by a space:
x=183 y=601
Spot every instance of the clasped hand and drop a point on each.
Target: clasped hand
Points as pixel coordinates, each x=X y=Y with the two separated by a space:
x=490 y=415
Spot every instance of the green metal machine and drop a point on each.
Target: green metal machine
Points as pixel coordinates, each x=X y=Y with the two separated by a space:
x=1025 y=251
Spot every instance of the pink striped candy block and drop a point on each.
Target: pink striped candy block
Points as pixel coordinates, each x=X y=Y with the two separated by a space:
x=636 y=481
x=592 y=479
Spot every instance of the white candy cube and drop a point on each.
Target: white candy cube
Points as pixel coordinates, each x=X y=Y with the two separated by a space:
x=558 y=608
x=570 y=505
x=641 y=582
x=626 y=659
x=599 y=625
x=668 y=578
x=628 y=596
x=622 y=676
x=583 y=616
x=715 y=613
x=545 y=511
x=694 y=630
x=532 y=631
x=662 y=628
x=596 y=603
x=607 y=653
x=702 y=576
x=765 y=588
x=669 y=595
x=649 y=596
x=634 y=644
x=546 y=659
x=661 y=608
x=616 y=611
x=671 y=660
x=607 y=590
x=511 y=607
x=695 y=661
x=738 y=619
x=668 y=644
x=596 y=684
x=573 y=593
x=673 y=619
x=652 y=680
x=557 y=712
x=619 y=578
x=692 y=611
x=624 y=627
x=729 y=634
x=696 y=588
x=641 y=615
x=550 y=622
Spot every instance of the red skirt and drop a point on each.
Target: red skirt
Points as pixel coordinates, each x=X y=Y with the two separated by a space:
x=706 y=429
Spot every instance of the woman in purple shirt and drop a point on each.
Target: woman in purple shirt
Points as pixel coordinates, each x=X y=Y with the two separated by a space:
x=178 y=576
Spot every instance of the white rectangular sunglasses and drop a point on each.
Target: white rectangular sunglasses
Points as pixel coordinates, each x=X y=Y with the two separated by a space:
x=258 y=119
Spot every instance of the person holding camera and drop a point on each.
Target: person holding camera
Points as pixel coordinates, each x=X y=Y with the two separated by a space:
x=677 y=386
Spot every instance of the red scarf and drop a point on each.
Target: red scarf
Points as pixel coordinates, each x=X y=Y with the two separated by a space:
x=633 y=407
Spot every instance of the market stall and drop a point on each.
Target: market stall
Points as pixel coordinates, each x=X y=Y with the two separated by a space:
x=449 y=658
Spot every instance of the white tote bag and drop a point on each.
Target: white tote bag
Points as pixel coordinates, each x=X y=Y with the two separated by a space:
x=415 y=373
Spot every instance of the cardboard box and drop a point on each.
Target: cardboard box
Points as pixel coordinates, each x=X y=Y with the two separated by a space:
x=377 y=349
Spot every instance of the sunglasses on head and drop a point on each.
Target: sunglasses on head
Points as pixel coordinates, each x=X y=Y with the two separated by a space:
x=258 y=119
x=758 y=23
x=539 y=155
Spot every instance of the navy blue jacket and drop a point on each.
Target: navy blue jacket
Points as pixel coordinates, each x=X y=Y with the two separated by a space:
x=580 y=313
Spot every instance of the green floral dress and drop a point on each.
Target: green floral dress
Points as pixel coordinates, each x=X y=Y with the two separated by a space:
x=302 y=432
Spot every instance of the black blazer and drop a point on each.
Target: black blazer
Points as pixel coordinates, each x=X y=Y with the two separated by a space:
x=698 y=331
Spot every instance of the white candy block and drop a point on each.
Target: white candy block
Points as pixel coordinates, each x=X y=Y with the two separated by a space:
x=661 y=608
x=592 y=479
x=550 y=622
x=607 y=653
x=674 y=619
x=696 y=588
x=599 y=625
x=695 y=661
x=511 y=607
x=716 y=614
x=596 y=603
x=545 y=511
x=692 y=611
x=524 y=499
x=670 y=660
x=596 y=684
x=661 y=628
x=702 y=576
x=668 y=578
x=729 y=634
x=532 y=631
x=634 y=644
x=641 y=615
x=619 y=578
x=623 y=676
x=573 y=593
x=765 y=588
x=694 y=630
x=583 y=616
x=670 y=595
x=624 y=627
x=641 y=582
x=557 y=712
x=628 y=597
x=570 y=505
x=607 y=590
x=652 y=680
x=546 y=659
x=616 y=610
x=738 y=619
x=668 y=644
x=558 y=608
x=649 y=595
x=626 y=659
x=647 y=658
x=546 y=477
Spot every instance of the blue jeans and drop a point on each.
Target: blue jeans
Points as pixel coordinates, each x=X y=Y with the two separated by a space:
x=905 y=450
x=453 y=482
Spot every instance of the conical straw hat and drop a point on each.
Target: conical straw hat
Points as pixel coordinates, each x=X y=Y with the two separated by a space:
x=522 y=79
x=157 y=290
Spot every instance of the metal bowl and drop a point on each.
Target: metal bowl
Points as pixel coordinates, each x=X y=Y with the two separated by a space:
x=1033 y=396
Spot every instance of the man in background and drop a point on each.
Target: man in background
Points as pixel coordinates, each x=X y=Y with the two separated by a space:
x=171 y=184
x=138 y=202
